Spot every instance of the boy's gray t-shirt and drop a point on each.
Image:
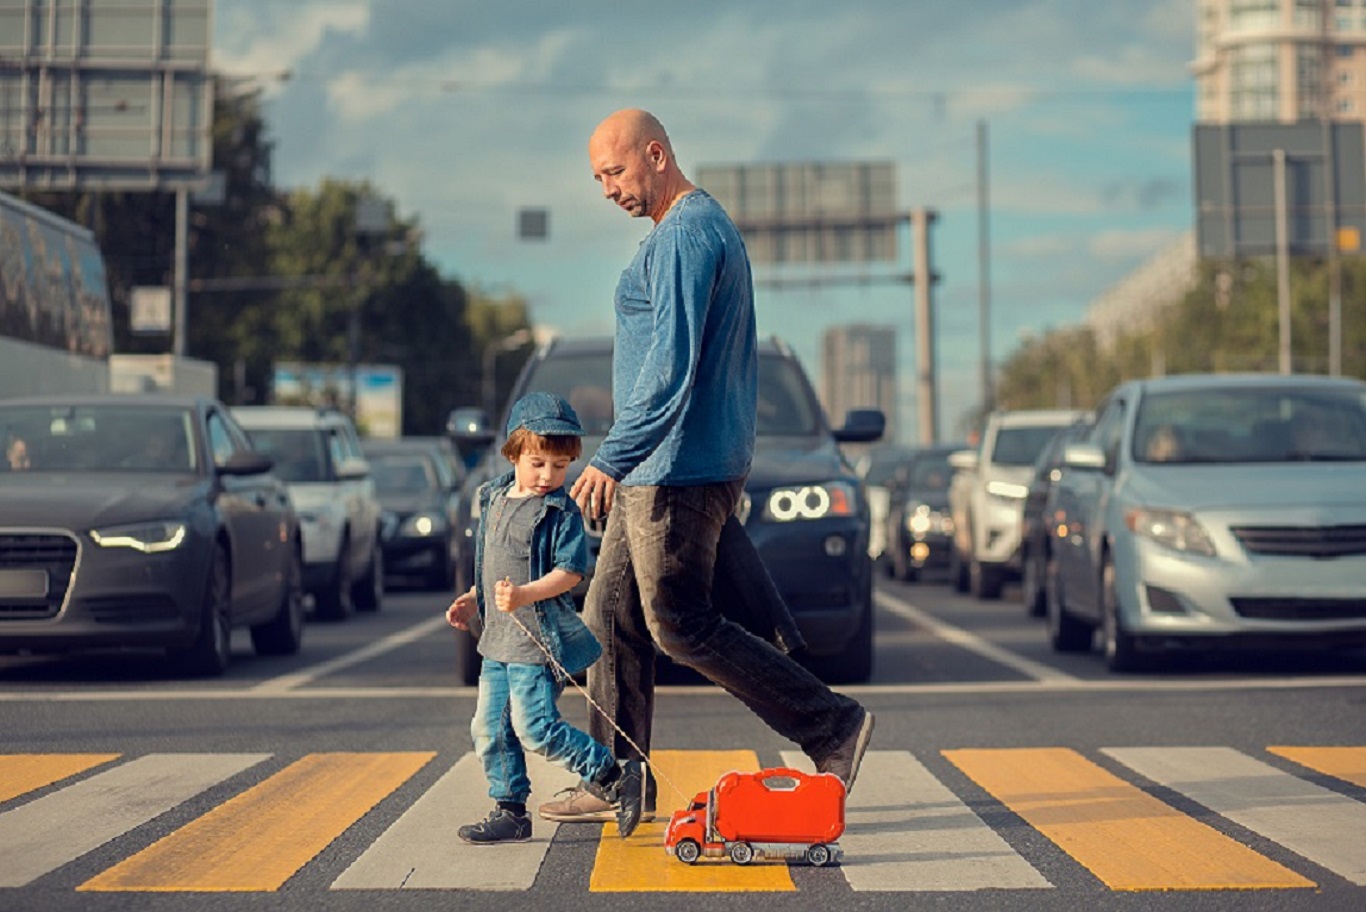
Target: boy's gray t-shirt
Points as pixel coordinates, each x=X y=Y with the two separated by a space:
x=507 y=554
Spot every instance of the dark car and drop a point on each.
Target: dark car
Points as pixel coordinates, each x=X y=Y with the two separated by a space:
x=1036 y=530
x=919 y=527
x=144 y=521
x=803 y=507
x=418 y=481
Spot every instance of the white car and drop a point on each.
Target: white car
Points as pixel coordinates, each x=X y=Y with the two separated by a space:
x=318 y=454
x=987 y=496
x=1213 y=510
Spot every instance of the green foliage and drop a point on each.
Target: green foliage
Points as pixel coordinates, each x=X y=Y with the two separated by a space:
x=303 y=283
x=1229 y=321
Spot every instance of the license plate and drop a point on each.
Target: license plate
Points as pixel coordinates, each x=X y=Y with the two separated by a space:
x=23 y=584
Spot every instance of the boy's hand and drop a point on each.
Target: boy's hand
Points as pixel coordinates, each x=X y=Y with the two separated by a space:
x=462 y=610
x=507 y=596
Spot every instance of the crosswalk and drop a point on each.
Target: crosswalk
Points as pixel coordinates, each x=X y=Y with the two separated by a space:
x=1134 y=818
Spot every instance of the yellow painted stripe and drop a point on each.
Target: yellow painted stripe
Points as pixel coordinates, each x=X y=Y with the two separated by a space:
x=20 y=773
x=260 y=838
x=1345 y=763
x=1123 y=835
x=640 y=864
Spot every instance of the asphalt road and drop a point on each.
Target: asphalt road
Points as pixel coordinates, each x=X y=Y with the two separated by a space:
x=1001 y=776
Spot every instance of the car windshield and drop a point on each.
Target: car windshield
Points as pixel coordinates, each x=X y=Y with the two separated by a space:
x=1020 y=446
x=785 y=406
x=931 y=471
x=1266 y=424
x=97 y=438
x=299 y=454
x=402 y=474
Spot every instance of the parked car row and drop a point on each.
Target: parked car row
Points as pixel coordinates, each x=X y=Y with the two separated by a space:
x=1195 y=512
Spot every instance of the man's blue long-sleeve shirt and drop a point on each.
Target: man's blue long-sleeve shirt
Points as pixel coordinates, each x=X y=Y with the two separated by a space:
x=684 y=364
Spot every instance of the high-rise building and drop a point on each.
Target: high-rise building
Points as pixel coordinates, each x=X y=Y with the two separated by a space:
x=1280 y=60
x=858 y=370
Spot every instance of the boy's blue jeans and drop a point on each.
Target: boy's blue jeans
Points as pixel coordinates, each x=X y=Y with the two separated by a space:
x=517 y=711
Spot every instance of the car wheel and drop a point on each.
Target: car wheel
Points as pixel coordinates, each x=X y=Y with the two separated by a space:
x=334 y=602
x=742 y=853
x=284 y=633
x=958 y=571
x=1120 y=647
x=211 y=651
x=1032 y=585
x=368 y=591
x=819 y=855
x=688 y=851
x=1065 y=632
x=984 y=580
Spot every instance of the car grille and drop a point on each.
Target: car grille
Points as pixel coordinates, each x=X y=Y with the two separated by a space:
x=1303 y=541
x=52 y=552
x=1300 y=609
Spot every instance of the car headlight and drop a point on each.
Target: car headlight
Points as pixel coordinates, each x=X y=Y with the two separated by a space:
x=817 y=501
x=421 y=525
x=148 y=537
x=1172 y=528
x=922 y=519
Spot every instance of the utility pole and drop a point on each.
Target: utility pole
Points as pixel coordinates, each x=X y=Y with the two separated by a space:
x=984 y=270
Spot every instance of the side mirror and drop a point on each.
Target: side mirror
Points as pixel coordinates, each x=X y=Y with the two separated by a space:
x=352 y=469
x=964 y=460
x=247 y=462
x=471 y=432
x=862 y=426
x=1083 y=456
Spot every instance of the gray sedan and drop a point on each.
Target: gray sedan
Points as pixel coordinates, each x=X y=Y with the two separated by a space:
x=1213 y=510
x=143 y=521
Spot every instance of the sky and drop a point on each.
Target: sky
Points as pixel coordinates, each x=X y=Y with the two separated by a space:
x=466 y=113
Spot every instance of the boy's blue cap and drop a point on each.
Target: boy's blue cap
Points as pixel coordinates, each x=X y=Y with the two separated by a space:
x=545 y=414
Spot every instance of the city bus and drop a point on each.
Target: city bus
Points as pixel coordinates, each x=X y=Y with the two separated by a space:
x=56 y=331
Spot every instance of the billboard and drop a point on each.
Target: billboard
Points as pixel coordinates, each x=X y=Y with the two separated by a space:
x=105 y=95
x=1235 y=186
x=378 y=392
x=810 y=212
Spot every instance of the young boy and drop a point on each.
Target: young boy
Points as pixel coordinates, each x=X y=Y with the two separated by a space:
x=529 y=553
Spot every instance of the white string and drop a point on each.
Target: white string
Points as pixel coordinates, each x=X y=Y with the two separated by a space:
x=593 y=703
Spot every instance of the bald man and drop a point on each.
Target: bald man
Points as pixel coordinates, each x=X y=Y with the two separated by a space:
x=672 y=469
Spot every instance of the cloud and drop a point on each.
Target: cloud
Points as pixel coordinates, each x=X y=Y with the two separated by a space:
x=261 y=39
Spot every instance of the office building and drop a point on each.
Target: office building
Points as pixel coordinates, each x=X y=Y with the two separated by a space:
x=1280 y=60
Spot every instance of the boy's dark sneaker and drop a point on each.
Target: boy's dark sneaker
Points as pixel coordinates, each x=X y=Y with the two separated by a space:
x=625 y=794
x=500 y=825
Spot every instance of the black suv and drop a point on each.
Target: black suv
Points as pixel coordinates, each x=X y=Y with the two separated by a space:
x=804 y=505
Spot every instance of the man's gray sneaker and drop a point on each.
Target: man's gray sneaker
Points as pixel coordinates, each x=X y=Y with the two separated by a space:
x=625 y=793
x=844 y=760
x=501 y=825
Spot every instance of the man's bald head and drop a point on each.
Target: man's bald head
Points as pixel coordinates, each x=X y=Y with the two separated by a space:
x=634 y=161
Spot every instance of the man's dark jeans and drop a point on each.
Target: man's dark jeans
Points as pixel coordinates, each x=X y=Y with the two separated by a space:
x=652 y=584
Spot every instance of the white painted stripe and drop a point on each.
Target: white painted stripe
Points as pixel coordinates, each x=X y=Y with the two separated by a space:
x=421 y=850
x=971 y=642
x=906 y=832
x=1323 y=826
x=288 y=682
x=58 y=828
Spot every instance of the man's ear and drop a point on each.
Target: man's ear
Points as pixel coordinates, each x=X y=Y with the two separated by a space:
x=657 y=155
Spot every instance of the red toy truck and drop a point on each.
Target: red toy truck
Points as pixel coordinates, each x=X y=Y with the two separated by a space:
x=774 y=813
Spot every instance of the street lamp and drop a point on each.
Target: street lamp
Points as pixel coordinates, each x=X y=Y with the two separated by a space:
x=506 y=344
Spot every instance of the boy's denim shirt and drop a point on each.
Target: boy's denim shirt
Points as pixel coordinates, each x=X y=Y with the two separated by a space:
x=557 y=540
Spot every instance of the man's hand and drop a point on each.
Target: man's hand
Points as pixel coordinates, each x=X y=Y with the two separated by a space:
x=462 y=610
x=593 y=492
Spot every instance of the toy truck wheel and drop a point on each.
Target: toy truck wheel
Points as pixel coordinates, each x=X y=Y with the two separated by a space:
x=818 y=855
x=688 y=851
x=742 y=853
